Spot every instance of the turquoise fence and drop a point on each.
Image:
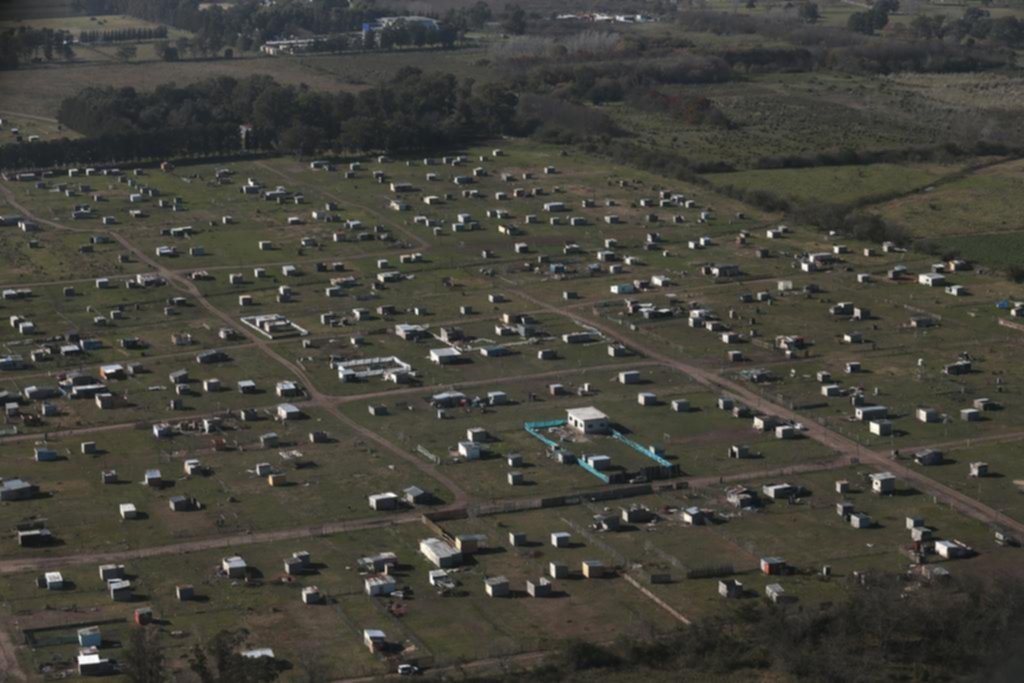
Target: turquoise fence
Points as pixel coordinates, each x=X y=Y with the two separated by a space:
x=642 y=449
x=533 y=429
x=600 y=475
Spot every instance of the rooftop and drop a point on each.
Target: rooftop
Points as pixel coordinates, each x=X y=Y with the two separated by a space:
x=587 y=413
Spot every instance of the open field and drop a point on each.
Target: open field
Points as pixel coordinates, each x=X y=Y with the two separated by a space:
x=104 y=22
x=838 y=184
x=325 y=482
x=509 y=626
x=952 y=210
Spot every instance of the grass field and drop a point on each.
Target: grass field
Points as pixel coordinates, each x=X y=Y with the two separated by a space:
x=987 y=201
x=696 y=441
x=75 y=24
x=329 y=487
x=371 y=454
x=275 y=617
x=837 y=184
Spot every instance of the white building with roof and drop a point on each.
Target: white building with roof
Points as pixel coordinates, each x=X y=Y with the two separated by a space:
x=440 y=553
x=588 y=420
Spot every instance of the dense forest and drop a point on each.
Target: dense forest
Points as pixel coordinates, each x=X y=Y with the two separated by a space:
x=412 y=111
x=123 y=35
x=18 y=45
x=124 y=146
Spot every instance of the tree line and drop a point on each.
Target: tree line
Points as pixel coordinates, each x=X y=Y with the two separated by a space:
x=24 y=43
x=120 y=35
x=124 y=147
x=412 y=111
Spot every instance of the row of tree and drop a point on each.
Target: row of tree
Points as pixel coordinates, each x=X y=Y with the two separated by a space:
x=412 y=111
x=121 y=35
x=410 y=33
x=123 y=147
x=21 y=44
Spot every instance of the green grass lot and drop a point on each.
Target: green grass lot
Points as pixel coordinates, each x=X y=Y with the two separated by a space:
x=474 y=625
x=889 y=354
x=457 y=256
x=836 y=184
x=522 y=359
x=696 y=441
x=143 y=317
x=147 y=396
x=83 y=513
x=57 y=257
x=76 y=24
x=955 y=209
x=808 y=536
x=997 y=490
